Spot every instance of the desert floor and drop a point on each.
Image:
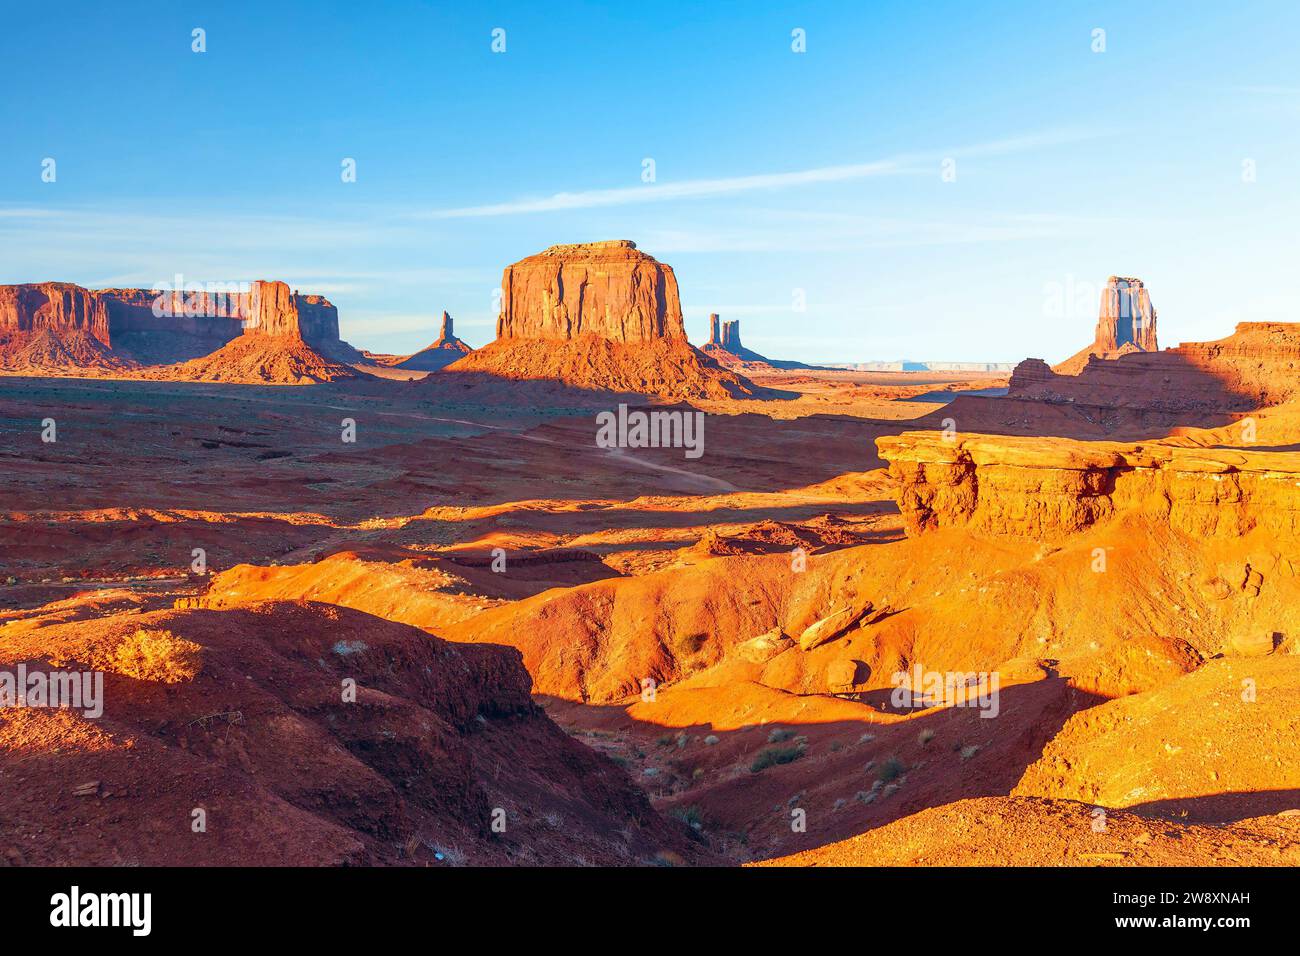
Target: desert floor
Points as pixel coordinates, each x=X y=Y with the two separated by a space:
x=619 y=565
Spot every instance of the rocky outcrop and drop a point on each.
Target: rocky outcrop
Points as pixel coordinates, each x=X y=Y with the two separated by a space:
x=1257 y=365
x=445 y=350
x=57 y=306
x=608 y=289
x=270 y=308
x=1046 y=487
x=61 y=327
x=1028 y=374
x=440 y=736
x=724 y=345
x=599 y=317
x=724 y=342
x=1126 y=323
x=1126 y=316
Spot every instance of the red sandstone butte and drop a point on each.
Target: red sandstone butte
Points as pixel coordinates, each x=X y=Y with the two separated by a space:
x=597 y=316
x=606 y=288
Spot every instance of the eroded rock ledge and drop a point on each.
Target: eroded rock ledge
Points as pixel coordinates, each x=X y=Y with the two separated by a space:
x=1046 y=487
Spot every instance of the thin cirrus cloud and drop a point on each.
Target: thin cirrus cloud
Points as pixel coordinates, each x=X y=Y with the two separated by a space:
x=725 y=186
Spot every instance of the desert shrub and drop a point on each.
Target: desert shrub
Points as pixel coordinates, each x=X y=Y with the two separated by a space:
x=158 y=656
x=779 y=734
x=891 y=769
x=925 y=736
x=772 y=756
x=691 y=816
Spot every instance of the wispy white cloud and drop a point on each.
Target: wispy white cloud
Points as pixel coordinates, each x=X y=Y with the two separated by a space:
x=663 y=192
x=707 y=188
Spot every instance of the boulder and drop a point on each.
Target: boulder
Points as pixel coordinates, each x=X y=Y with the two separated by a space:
x=832 y=626
x=761 y=649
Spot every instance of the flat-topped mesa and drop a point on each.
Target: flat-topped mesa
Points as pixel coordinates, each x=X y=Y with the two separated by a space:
x=1126 y=316
x=59 y=327
x=262 y=307
x=57 y=306
x=608 y=289
x=1049 y=487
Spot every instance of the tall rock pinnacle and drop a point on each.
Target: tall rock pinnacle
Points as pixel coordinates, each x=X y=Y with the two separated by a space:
x=1126 y=316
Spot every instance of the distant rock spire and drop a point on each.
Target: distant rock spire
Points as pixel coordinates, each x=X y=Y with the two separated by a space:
x=446 y=332
x=1126 y=316
x=731 y=336
x=713 y=329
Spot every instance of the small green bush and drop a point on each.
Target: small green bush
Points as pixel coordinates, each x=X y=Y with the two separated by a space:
x=773 y=756
x=891 y=769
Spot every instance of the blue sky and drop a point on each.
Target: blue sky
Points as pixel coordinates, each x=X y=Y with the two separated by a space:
x=777 y=174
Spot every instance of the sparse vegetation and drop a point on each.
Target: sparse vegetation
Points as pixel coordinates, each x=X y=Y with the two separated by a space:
x=891 y=769
x=450 y=855
x=925 y=736
x=772 y=756
x=968 y=752
x=779 y=735
x=691 y=816
x=158 y=656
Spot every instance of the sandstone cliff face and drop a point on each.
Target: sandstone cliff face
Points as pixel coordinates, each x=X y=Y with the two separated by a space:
x=58 y=306
x=1046 y=487
x=609 y=289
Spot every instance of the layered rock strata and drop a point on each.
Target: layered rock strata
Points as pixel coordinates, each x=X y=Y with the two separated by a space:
x=1258 y=365
x=597 y=316
x=609 y=289
x=1045 y=487
x=56 y=326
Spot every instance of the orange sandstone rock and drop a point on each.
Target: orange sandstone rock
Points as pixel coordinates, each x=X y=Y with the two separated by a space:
x=1052 y=486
